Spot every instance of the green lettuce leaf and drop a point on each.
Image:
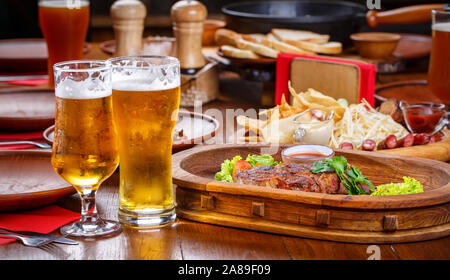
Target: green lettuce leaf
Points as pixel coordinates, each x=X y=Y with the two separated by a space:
x=226 y=170
x=261 y=160
x=409 y=186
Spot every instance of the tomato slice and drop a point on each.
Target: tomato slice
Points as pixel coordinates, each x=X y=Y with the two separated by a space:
x=241 y=165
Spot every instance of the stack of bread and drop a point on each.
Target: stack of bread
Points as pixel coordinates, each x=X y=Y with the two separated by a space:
x=253 y=46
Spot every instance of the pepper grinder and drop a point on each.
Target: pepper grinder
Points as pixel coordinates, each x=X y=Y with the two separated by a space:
x=128 y=20
x=187 y=18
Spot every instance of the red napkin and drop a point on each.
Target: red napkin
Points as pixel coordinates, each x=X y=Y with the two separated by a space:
x=40 y=220
x=32 y=135
x=30 y=82
x=283 y=65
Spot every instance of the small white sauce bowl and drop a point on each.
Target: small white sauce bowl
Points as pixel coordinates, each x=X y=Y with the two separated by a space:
x=286 y=154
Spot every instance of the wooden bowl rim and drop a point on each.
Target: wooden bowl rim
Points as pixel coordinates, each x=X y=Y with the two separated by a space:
x=375 y=37
x=432 y=197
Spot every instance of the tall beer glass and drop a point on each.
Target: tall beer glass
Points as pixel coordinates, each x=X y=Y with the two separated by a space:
x=85 y=148
x=146 y=98
x=64 y=24
x=439 y=68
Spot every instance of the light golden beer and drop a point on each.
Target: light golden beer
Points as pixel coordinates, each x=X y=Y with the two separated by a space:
x=85 y=150
x=145 y=122
x=146 y=98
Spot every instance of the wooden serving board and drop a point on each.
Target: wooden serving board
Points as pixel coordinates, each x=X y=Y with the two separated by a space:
x=438 y=151
x=345 y=218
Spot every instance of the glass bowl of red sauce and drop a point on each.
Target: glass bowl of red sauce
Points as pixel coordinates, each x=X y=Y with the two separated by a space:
x=306 y=153
x=424 y=117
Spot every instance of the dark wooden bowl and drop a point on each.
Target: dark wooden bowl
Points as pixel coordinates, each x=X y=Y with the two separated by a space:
x=375 y=45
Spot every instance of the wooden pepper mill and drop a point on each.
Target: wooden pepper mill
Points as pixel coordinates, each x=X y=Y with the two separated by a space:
x=128 y=20
x=187 y=18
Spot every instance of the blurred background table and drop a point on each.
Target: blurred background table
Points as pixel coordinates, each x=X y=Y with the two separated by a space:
x=191 y=240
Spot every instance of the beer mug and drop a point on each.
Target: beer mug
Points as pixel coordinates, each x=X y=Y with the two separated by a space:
x=64 y=24
x=439 y=68
x=146 y=98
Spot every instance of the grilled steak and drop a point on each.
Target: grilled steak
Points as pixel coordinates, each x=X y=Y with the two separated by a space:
x=291 y=176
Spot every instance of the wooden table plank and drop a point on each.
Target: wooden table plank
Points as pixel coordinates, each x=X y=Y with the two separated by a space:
x=309 y=249
x=202 y=241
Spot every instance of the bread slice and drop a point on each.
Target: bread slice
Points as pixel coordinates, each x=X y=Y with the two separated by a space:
x=290 y=35
x=327 y=48
x=237 y=53
x=257 y=48
x=254 y=38
x=226 y=37
x=271 y=42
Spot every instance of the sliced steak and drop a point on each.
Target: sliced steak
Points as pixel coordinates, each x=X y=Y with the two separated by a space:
x=291 y=176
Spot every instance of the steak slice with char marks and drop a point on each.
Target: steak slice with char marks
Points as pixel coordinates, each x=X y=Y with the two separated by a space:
x=291 y=176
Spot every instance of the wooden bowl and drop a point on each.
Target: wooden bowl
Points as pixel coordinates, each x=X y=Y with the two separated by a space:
x=209 y=30
x=375 y=44
x=333 y=217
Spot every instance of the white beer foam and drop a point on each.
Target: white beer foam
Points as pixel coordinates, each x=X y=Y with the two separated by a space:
x=70 y=4
x=144 y=84
x=442 y=26
x=70 y=89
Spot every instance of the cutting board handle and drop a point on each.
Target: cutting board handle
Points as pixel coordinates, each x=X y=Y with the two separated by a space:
x=404 y=15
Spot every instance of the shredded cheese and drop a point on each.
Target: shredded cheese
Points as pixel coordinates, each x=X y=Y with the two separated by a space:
x=361 y=122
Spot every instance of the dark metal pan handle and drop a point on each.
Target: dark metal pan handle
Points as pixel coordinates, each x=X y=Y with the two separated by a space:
x=404 y=15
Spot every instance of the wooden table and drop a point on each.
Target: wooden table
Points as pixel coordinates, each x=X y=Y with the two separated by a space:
x=186 y=240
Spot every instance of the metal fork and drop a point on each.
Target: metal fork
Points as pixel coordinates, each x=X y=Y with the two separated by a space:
x=30 y=241
x=38 y=144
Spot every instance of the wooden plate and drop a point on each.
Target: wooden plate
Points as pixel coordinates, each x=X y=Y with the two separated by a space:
x=413 y=46
x=31 y=109
x=196 y=127
x=345 y=218
x=25 y=55
x=28 y=180
x=413 y=91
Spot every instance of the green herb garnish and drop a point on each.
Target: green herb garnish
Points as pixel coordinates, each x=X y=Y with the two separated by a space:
x=351 y=178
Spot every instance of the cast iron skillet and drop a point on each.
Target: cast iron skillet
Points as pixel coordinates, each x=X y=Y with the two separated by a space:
x=338 y=19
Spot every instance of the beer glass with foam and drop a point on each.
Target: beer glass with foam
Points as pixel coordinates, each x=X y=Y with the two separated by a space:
x=146 y=98
x=439 y=68
x=64 y=24
x=85 y=147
